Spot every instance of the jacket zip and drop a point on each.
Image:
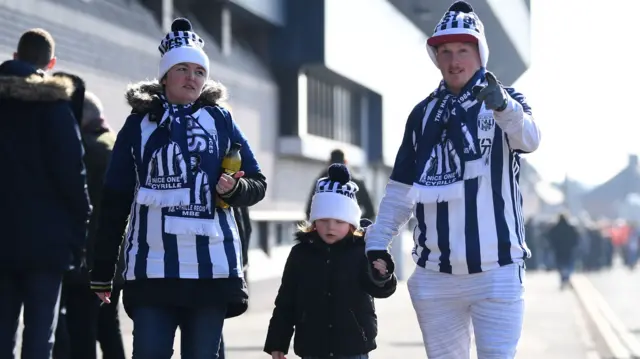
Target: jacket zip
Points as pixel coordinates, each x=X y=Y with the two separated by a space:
x=364 y=336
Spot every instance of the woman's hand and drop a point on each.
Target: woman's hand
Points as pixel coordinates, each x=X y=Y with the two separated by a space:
x=226 y=182
x=277 y=355
x=105 y=297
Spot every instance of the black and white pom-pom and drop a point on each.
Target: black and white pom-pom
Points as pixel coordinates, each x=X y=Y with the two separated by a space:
x=181 y=24
x=339 y=173
x=461 y=6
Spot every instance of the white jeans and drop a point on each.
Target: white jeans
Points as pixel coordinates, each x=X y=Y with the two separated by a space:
x=448 y=305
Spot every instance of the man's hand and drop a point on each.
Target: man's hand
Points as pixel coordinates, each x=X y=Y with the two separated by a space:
x=278 y=355
x=492 y=94
x=226 y=183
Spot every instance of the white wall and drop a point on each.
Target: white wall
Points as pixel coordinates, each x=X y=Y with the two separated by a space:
x=380 y=49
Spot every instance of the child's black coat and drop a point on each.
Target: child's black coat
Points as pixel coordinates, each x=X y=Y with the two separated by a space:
x=326 y=294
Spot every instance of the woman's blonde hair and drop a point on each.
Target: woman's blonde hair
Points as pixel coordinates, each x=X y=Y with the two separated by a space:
x=308 y=227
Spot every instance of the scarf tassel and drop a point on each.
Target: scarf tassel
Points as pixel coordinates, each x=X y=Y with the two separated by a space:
x=191 y=226
x=476 y=168
x=164 y=198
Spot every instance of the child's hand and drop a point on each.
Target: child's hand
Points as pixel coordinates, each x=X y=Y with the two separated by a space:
x=277 y=355
x=381 y=266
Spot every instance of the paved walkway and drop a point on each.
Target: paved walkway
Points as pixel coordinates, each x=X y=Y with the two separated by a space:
x=554 y=325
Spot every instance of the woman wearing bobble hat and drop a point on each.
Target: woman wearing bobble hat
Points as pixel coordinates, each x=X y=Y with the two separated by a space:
x=457 y=172
x=182 y=250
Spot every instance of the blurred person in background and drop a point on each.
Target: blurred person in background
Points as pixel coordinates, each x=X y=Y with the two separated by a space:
x=45 y=206
x=582 y=223
x=83 y=321
x=62 y=348
x=564 y=239
x=183 y=263
x=99 y=140
x=533 y=242
x=364 y=199
x=609 y=246
x=631 y=248
x=594 y=260
x=455 y=170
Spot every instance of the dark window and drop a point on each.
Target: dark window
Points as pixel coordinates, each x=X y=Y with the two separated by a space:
x=334 y=111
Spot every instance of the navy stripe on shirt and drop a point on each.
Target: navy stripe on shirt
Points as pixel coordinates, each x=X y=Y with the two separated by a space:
x=471 y=230
x=205 y=266
x=502 y=228
x=422 y=238
x=444 y=242
x=140 y=268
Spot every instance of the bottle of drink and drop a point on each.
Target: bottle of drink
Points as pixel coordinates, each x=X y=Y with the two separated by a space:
x=231 y=164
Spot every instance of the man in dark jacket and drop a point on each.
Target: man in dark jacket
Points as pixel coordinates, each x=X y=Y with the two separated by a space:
x=563 y=239
x=364 y=200
x=45 y=206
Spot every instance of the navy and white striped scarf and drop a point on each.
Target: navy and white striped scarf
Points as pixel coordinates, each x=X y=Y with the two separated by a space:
x=177 y=180
x=446 y=144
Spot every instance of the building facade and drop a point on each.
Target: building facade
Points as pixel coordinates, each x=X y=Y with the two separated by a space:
x=304 y=77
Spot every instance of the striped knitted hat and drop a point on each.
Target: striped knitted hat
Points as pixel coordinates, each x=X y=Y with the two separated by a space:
x=459 y=24
x=335 y=197
x=181 y=45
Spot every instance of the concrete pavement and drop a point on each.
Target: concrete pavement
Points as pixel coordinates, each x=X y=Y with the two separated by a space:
x=610 y=299
x=620 y=287
x=554 y=325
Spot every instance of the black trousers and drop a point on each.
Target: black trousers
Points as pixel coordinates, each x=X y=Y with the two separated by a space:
x=83 y=321
x=39 y=293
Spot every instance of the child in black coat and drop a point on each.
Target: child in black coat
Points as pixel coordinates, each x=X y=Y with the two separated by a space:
x=328 y=283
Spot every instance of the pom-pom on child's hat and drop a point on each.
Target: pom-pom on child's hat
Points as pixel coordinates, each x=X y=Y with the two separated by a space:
x=459 y=24
x=180 y=45
x=335 y=197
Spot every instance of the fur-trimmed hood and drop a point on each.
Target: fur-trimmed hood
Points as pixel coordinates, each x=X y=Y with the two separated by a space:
x=143 y=96
x=19 y=81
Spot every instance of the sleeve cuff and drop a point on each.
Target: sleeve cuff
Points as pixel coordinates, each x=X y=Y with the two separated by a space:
x=512 y=118
x=101 y=287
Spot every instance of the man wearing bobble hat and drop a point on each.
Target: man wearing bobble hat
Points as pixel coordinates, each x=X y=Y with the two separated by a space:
x=457 y=172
